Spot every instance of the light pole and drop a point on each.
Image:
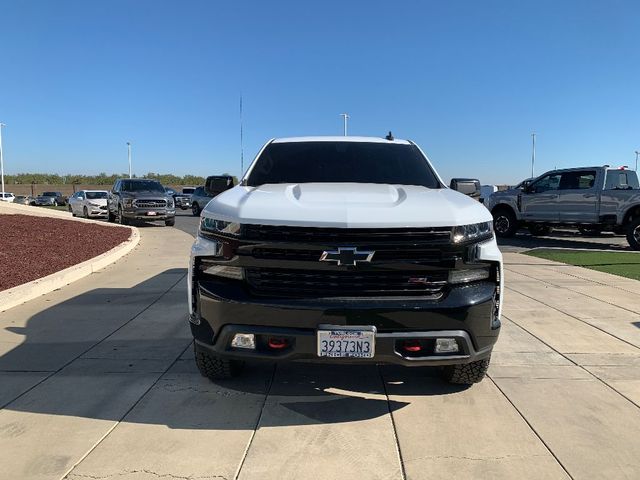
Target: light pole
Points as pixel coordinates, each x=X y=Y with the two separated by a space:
x=129 y=155
x=1 y=158
x=637 y=153
x=346 y=117
x=533 y=152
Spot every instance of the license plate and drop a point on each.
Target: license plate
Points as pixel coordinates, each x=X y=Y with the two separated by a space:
x=151 y=214
x=347 y=343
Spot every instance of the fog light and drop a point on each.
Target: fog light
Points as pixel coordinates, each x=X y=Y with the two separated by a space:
x=446 y=345
x=244 y=340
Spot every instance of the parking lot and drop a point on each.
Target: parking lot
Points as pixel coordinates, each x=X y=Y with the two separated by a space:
x=99 y=382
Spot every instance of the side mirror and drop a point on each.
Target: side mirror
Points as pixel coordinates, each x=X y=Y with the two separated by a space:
x=217 y=184
x=468 y=186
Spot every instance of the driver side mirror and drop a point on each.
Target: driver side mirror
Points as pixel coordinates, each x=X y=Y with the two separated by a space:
x=468 y=186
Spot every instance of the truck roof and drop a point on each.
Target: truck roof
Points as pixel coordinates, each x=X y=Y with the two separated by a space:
x=340 y=139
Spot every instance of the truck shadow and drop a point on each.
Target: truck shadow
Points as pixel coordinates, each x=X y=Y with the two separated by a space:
x=125 y=353
x=566 y=239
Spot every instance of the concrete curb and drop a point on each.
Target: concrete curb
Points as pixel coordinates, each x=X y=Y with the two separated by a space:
x=28 y=291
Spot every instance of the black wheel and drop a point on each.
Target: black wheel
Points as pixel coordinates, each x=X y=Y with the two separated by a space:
x=110 y=216
x=633 y=234
x=590 y=232
x=55 y=203
x=505 y=223
x=170 y=222
x=537 y=229
x=120 y=217
x=85 y=212
x=70 y=210
x=214 y=367
x=195 y=209
x=467 y=373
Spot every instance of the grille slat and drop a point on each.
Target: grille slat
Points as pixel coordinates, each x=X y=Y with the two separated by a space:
x=297 y=283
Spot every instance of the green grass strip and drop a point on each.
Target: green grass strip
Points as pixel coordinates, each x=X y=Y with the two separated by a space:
x=623 y=264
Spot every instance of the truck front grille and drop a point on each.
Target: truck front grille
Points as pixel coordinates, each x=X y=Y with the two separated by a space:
x=149 y=203
x=275 y=282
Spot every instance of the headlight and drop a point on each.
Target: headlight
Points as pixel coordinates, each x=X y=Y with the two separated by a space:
x=472 y=233
x=127 y=202
x=170 y=203
x=213 y=226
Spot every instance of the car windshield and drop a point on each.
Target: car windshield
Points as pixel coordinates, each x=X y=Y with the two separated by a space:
x=342 y=162
x=96 y=195
x=142 y=186
x=50 y=194
x=188 y=190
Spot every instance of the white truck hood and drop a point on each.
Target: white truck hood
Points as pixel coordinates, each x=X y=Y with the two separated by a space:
x=346 y=205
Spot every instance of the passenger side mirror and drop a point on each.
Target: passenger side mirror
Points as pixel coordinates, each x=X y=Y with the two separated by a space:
x=468 y=186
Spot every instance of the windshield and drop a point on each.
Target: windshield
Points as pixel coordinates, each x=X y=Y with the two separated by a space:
x=342 y=162
x=50 y=194
x=142 y=186
x=188 y=190
x=96 y=195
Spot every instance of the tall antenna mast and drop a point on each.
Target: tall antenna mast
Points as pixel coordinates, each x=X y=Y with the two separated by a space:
x=241 y=141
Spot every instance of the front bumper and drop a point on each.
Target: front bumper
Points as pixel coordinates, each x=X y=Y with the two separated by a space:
x=467 y=311
x=149 y=214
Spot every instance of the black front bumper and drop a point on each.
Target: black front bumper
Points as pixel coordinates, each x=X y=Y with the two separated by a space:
x=467 y=314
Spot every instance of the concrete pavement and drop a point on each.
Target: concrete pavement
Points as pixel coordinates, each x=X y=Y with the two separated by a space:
x=98 y=381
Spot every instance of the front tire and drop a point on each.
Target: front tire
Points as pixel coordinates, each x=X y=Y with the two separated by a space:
x=633 y=234
x=505 y=223
x=170 y=222
x=195 y=209
x=121 y=219
x=85 y=212
x=214 y=367
x=467 y=373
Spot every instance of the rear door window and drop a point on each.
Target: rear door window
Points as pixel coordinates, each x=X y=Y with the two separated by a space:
x=578 y=180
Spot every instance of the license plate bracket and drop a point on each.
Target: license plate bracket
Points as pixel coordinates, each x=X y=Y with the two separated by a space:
x=340 y=341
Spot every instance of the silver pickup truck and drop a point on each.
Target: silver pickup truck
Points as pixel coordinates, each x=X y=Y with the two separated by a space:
x=593 y=199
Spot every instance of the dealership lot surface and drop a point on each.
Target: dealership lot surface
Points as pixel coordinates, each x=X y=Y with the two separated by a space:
x=97 y=381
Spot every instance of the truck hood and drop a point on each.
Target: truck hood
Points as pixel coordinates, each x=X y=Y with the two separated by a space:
x=346 y=205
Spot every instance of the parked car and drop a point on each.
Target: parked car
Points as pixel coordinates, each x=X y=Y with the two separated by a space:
x=25 y=200
x=7 y=197
x=51 y=199
x=183 y=200
x=342 y=250
x=89 y=203
x=199 y=200
x=140 y=199
x=592 y=199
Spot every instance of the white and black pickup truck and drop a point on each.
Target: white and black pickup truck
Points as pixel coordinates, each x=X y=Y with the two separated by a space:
x=593 y=199
x=345 y=250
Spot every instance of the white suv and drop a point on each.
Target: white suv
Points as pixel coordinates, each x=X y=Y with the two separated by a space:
x=7 y=197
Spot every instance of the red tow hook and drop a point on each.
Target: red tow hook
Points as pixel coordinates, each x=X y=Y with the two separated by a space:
x=277 y=343
x=412 y=346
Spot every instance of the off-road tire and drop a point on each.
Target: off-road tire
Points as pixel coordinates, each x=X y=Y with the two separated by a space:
x=214 y=367
x=633 y=233
x=468 y=373
x=195 y=209
x=170 y=222
x=538 y=230
x=505 y=223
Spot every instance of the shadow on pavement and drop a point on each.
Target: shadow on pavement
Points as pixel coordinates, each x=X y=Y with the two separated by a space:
x=566 y=239
x=115 y=352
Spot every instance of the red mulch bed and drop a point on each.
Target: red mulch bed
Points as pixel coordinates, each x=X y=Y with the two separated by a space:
x=34 y=247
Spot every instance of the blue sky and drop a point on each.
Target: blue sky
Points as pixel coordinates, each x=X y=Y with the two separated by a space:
x=468 y=81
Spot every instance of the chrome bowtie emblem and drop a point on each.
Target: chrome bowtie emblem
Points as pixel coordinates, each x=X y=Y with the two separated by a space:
x=346 y=256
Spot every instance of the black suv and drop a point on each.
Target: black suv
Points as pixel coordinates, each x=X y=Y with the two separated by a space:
x=140 y=199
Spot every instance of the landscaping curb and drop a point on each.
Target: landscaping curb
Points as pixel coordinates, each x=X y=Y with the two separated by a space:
x=30 y=290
